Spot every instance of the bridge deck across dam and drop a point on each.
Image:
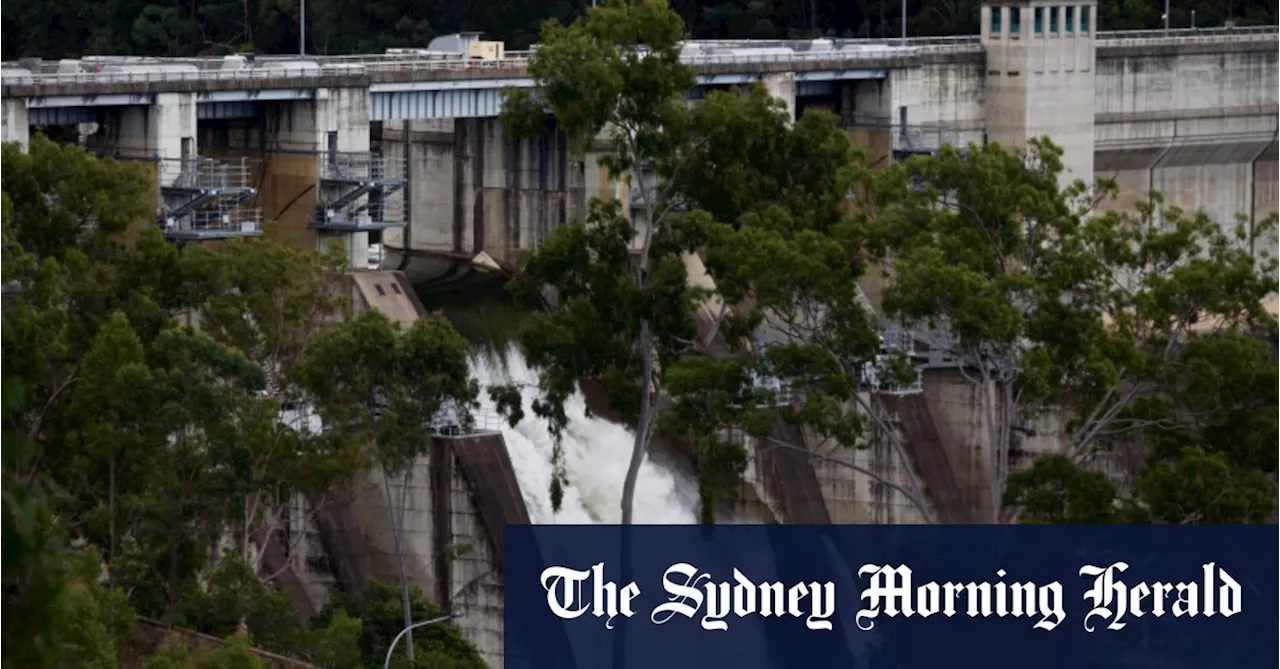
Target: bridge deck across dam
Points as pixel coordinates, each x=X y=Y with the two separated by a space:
x=1191 y=113
x=407 y=87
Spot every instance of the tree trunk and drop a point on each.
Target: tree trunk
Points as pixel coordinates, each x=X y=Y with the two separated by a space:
x=404 y=581
x=642 y=425
x=171 y=590
x=248 y=21
x=993 y=437
x=111 y=549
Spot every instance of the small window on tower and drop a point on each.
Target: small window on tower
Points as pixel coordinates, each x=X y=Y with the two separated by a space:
x=1069 y=19
x=1039 y=21
x=1084 y=20
x=1015 y=20
x=1053 y=20
x=995 y=19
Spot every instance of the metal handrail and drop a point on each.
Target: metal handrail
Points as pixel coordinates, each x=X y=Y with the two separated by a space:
x=359 y=64
x=361 y=166
x=1185 y=32
x=199 y=75
x=446 y=65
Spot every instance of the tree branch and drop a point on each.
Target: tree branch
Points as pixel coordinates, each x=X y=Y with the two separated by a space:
x=919 y=504
x=715 y=325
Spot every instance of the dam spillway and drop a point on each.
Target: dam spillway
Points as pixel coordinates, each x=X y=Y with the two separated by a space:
x=596 y=454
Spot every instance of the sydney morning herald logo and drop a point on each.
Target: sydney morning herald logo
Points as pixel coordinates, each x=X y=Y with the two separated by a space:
x=892 y=591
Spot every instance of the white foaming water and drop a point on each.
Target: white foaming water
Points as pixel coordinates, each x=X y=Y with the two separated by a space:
x=596 y=454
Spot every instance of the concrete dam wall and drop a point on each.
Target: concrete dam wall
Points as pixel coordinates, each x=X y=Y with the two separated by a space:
x=455 y=501
x=1195 y=121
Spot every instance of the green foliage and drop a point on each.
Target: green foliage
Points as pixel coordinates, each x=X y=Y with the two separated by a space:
x=1056 y=490
x=378 y=385
x=176 y=653
x=758 y=197
x=337 y=644
x=62 y=197
x=440 y=645
x=255 y=281
x=32 y=553
x=153 y=440
x=1207 y=440
x=616 y=71
x=1128 y=322
x=234 y=595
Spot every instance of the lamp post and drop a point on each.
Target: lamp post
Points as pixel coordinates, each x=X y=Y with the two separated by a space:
x=1166 y=16
x=302 y=29
x=387 y=663
x=904 y=22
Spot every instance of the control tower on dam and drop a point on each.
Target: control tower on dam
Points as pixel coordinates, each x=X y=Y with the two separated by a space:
x=402 y=154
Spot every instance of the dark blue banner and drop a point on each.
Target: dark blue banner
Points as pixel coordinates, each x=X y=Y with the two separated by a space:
x=891 y=597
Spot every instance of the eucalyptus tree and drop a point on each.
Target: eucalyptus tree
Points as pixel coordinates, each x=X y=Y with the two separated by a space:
x=1053 y=306
x=788 y=251
x=271 y=300
x=379 y=389
x=625 y=313
x=730 y=180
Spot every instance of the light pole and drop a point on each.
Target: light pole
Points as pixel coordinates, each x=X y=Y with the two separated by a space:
x=387 y=664
x=1166 y=16
x=302 y=29
x=904 y=22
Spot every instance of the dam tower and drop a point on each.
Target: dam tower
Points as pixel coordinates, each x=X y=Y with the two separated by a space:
x=1040 y=76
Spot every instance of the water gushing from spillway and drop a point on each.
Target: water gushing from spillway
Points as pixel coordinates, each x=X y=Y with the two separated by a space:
x=596 y=454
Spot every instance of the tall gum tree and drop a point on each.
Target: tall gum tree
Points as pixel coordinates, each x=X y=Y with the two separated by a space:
x=1051 y=305
x=730 y=179
x=270 y=300
x=1193 y=414
x=380 y=388
x=616 y=72
x=787 y=252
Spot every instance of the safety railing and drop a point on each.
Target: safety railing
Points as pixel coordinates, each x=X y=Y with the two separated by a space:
x=1188 y=32
x=361 y=64
x=829 y=44
x=1189 y=40
x=450 y=422
x=171 y=76
x=809 y=56
x=446 y=65
x=399 y=65
x=911 y=138
x=875 y=374
x=359 y=58
x=361 y=166
x=923 y=138
x=235 y=220
x=205 y=174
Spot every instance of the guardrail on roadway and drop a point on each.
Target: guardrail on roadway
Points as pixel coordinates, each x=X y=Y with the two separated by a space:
x=1187 y=32
x=399 y=65
x=361 y=64
x=169 y=75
